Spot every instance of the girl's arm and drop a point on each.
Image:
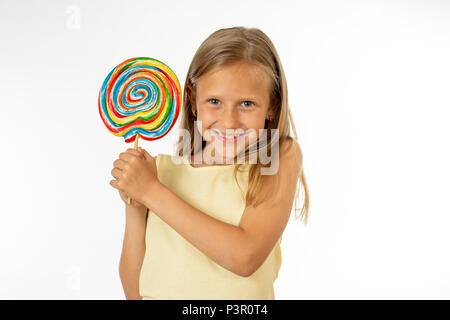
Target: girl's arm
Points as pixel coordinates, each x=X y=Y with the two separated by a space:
x=240 y=249
x=133 y=251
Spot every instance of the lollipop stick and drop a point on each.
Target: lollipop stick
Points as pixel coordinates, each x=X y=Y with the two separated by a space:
x=135 y=148
x=136 y=142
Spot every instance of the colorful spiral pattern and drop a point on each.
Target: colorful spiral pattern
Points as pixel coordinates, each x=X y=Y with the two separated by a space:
x=141 y=96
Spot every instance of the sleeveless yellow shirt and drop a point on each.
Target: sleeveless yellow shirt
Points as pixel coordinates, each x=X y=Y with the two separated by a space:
x=172 y=267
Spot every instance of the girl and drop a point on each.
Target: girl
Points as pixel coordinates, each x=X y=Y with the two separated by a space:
x=199 y=228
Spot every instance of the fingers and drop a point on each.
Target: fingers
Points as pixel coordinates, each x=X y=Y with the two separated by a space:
x=119 y=164
x=116 y=173
x=141 y=153
x=145 y=154
x=133 y=151
x=113 y=184
x=137 y=152
x=127 y=156
x=130 y=154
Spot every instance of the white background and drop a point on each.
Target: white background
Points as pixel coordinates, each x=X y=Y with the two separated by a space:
x=369 y=89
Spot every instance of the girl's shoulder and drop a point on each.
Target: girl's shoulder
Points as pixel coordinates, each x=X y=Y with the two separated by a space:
x=290 y=150
x=290 y=160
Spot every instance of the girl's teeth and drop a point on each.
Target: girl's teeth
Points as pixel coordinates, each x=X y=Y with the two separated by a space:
x=230 y=137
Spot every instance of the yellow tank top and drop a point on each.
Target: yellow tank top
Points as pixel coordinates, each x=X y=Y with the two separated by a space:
x=172 y=267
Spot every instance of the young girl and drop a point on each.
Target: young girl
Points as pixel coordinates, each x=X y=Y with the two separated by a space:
x=202 y=228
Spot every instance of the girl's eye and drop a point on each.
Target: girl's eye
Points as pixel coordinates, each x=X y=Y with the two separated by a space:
x=248 y=103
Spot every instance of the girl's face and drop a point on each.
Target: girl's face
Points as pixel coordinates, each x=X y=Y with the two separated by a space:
x=231 y=101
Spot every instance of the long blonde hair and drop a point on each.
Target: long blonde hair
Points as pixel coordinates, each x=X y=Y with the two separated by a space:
x=251 y=45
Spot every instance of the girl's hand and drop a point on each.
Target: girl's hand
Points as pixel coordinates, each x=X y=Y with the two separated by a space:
x=135 y=173
x=122 y=194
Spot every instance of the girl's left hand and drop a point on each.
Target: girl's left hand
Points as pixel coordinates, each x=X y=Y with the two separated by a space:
x=134 y=175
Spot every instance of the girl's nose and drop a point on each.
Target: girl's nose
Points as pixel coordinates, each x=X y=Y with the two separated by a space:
x=230 y=118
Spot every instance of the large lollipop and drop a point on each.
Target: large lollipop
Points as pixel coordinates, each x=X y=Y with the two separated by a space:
x=141 y=97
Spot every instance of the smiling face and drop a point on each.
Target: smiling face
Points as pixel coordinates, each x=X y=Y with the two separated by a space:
x=232 y=103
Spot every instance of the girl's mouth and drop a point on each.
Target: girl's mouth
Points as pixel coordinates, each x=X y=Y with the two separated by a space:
x=228 y=138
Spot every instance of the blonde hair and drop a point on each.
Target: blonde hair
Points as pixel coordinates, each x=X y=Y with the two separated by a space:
x=239 y=44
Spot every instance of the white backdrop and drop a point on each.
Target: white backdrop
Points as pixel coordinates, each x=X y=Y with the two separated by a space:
x=369 y=89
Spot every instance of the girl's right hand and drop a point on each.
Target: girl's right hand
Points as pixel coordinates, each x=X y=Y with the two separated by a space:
x=124 y=196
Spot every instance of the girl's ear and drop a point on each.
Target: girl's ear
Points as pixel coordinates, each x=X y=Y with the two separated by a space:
x=191 y=96
x=271 y=113
x=273 y=108
x=193 y=106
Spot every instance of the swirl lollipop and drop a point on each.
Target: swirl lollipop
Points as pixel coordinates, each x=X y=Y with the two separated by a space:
x=140 y=98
